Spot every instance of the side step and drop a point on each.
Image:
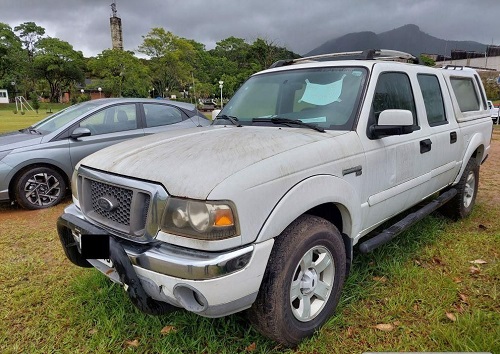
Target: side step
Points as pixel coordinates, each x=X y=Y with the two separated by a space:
x=402 y=225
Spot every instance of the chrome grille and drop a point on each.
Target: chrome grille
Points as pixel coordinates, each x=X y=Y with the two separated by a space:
x=123 y=196
x=136 y=206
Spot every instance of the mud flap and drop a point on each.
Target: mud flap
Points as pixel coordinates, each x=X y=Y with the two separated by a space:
x=132 y=284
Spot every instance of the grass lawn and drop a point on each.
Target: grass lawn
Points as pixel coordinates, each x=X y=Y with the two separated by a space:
x=434 y=288
x=10 y=121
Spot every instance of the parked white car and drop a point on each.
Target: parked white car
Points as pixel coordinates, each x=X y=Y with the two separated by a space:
x=494 y=112
x=262 y=210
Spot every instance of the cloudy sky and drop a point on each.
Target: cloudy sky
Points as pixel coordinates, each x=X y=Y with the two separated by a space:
x=298 y=25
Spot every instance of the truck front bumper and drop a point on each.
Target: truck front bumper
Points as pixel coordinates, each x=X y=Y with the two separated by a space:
x=212 y=284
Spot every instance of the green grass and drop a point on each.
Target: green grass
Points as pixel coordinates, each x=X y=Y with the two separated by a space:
x=412 y=283
x=10 y=121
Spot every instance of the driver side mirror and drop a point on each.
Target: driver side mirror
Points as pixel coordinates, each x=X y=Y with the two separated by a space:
x=393 y=122
x=80 y=132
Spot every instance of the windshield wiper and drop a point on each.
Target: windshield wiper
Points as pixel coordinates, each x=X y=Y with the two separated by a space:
x=232 y=119
x=277 y=120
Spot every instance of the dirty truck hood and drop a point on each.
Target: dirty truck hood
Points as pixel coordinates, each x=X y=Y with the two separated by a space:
x=192 y=162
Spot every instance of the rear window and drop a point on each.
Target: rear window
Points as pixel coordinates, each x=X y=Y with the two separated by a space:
x=466 y=94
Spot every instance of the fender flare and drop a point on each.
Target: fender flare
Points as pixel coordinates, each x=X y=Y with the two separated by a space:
x=309 y=193
x=475 y=142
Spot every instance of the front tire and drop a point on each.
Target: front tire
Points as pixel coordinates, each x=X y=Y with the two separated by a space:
x=302 y=283
x=39 y=188
x=461 y=205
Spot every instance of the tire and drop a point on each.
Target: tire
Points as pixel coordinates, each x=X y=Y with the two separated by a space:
x=461 y=205
x=39 y=188
x=299 y=277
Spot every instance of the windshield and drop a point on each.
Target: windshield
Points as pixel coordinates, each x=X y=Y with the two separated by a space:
x=327 y=97
x=59 y=119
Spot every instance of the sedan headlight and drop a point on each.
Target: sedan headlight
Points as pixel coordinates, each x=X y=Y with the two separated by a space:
x=74 y=185
x=199 y=219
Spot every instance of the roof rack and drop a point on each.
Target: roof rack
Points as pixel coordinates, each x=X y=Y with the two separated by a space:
x=370 y=54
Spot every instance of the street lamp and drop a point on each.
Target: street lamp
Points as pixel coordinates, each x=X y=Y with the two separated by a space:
x=153 y=95
x=99 y=89
x=221 y=85
x=82 y=91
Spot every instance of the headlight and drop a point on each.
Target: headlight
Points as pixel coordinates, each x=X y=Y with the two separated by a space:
x=199 y=219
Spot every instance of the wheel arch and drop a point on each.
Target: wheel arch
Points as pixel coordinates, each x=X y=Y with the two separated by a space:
x=22 y=170
x=325 y=196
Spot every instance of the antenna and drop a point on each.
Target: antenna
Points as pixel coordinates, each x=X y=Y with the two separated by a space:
x=113 y=8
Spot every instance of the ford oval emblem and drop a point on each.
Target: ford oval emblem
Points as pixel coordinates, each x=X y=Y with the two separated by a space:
x=107 y=203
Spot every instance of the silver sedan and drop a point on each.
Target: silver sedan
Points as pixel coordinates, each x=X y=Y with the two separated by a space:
x=36 y=163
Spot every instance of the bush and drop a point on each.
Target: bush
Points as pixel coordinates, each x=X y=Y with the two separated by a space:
x=23 y=113
x=35 y=103
x=14 y=111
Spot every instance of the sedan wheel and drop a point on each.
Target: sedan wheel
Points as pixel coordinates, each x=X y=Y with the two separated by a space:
x=39 y=188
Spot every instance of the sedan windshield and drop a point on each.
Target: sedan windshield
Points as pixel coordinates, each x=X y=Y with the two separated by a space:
x=59 y=119
x=325 y=97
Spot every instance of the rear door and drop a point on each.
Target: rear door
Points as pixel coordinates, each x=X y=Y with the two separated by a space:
x=108 y=126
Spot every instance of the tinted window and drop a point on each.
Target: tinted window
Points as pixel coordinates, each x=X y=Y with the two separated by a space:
x=112 y=119
x=158 y=115
x=433 y=99
x=465 y=93
x=393 y=91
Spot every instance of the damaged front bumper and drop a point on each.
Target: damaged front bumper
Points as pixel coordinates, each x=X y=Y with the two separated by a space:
x=212 y=284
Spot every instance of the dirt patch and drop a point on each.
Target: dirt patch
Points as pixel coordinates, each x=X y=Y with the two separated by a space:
x=489 y=178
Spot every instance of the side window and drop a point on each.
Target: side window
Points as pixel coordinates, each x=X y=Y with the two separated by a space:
x=433 y=99
x=466 y=95
x=394 y=91
x=111 y=119
x=159 y=114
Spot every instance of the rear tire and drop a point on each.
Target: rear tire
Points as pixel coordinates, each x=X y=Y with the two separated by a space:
x=302 y=283
x=461 y=205
x=39 y=188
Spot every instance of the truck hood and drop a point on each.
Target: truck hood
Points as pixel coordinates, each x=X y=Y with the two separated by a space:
x=192 y=162
x=17 y=139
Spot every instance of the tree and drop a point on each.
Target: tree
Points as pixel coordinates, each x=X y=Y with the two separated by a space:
x=59 y=64
x=120 y=73
x=172 y=60
x=30 y=34
x=424 y=59
x=11 y=56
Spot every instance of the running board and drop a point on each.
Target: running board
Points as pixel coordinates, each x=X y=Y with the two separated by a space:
x=402 y=225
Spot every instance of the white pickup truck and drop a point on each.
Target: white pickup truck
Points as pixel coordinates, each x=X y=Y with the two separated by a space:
x=265 y=209
x=494 y=112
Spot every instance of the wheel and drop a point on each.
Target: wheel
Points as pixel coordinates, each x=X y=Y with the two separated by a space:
x=302 y=283
x=461 y=205
x=39 y=187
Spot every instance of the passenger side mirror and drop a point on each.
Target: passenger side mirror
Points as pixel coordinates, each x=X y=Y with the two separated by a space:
x=79 y=132
x=393 y=122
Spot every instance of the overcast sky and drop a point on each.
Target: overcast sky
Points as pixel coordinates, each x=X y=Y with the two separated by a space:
x=298 y=25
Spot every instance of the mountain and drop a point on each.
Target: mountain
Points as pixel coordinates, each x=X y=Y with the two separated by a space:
x=408 y=38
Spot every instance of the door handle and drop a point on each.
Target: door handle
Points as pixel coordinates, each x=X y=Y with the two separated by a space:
x=453 y=137
x=425 y=146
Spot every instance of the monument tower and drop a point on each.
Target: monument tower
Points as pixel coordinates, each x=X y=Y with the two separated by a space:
x=116 y=29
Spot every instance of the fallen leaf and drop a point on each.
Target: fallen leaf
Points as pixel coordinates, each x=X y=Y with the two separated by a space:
x=251 y=347
x=110 y=271
x=417 y=262
x=478 y=261
x=457 y=280
x=386 y=327
x=350 y=332
x=93 y=331
x=396 y=323
x=451 y=316
x=474 y=270
x=459 y=308
x=462 y=297
x=380 y=279
x=482 y=227
x=437 y=260
x=168 y=329
x=132 y=343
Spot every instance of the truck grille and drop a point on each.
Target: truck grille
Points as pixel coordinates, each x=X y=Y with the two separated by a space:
x=123 y=196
